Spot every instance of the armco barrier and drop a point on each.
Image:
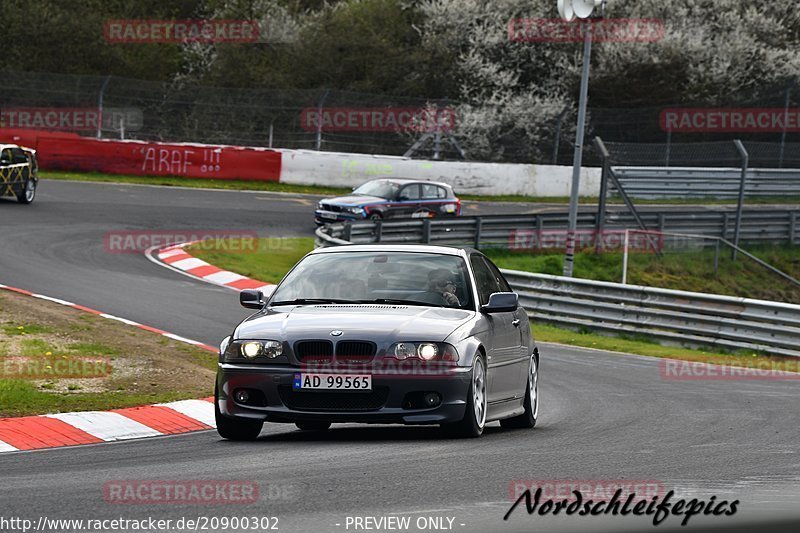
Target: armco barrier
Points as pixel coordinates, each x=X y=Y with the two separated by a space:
x=678 y=182
x=68 y=151
x=780 y=226
x=679 y=317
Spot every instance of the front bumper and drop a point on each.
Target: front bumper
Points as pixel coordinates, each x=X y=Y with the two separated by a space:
x=389 y=401
x=325 y=217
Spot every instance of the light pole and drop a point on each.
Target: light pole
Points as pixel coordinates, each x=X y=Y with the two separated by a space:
x=568 y=9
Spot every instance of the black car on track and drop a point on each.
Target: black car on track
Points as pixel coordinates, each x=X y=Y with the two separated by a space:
x=409 y=334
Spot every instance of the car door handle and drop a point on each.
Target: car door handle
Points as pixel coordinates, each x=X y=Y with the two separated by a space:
x=515 y=322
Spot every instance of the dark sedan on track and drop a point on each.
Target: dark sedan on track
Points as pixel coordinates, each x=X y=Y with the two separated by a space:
x=407 y=334
x=390 y=198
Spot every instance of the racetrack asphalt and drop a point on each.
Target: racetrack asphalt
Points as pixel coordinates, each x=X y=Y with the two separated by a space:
x=604 y=416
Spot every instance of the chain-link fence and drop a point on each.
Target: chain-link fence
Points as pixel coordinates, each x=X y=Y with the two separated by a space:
x=334 y=120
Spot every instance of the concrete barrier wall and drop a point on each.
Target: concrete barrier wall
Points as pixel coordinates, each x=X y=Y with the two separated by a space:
x=307 y=167
x=69 y=151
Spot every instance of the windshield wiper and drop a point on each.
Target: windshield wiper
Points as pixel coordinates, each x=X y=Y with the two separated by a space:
x=308 y=301
x=399 y=301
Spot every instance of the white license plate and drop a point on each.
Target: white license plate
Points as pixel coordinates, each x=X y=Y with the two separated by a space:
x=351 y=382
x=328 y=215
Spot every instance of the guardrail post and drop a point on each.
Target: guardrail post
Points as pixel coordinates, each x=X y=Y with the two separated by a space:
x=601 y=201
x=745 y=163
x=378 y=230
x=426 y=230
x=478 y=230
x=348 y=231
x=716 y=257
x=792 y=226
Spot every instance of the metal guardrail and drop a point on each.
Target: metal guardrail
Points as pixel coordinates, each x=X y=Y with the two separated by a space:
x=682 y=182
x=758 y=226
x=679 y=317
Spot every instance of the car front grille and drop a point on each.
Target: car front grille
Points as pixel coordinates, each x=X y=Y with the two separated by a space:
x=355 y=351
x=313 y=351
x=331 y=207
x=333 y=401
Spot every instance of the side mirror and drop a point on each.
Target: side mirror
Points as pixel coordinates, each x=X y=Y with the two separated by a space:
x=251 y=299
x=501 y=302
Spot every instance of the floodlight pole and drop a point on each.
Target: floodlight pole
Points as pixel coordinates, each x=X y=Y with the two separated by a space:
x=569 y=256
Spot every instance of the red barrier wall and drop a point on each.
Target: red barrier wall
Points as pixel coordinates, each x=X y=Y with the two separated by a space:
x=69 y=151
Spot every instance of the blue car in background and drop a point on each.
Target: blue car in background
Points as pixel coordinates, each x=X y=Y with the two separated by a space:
x=390 y=198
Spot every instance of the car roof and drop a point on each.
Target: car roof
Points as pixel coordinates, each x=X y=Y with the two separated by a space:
x=413 y=248
x=405 y=181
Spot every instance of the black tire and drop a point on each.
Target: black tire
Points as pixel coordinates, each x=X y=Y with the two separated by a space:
x=234 y=428
x=313 y=426
x=27 y=194
x=527 y=420
x=375 y=216
x=470 y=426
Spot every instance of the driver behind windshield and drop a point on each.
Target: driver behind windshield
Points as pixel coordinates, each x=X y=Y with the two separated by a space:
x=441 y=282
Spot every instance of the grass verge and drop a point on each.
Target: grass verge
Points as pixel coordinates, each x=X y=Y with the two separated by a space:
x=269 y=261
x=688 y=271
x=58 y=359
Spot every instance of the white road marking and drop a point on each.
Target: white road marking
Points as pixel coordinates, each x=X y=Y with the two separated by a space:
x=50 y=299
x=4 y=447
x=223 y=278
x=106 y=425
x=200 y=410
x=190 y=263
x=181 y=339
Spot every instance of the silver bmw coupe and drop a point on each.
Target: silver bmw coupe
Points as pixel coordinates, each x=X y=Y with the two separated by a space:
x=409 y=334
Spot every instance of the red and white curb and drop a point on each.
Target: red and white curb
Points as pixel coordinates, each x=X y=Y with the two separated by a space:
x=176 y=258
x=89 y=427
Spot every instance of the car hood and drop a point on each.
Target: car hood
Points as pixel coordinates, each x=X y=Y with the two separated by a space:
x=382 y=324
x=355 y=199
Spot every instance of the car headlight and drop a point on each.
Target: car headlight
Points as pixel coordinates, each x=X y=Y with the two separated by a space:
x=253 y=350
x=426 y=351
x=354 y=210
x=404 y=350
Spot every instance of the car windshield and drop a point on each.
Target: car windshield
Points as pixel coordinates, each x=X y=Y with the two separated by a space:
x=406 y=278
x=380 y=188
